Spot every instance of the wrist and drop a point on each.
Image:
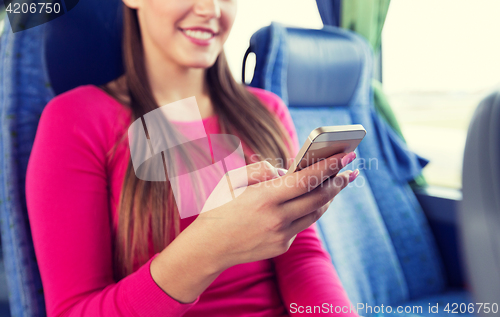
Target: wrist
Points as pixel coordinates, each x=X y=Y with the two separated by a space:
x=184 y=269
x=200 y=245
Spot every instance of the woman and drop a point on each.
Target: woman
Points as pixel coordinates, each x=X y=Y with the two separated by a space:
x=110 y=244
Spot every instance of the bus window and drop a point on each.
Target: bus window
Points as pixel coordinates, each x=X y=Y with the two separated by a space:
x=440 y=58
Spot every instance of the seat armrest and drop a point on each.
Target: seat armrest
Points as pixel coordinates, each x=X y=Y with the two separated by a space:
x=440 y=206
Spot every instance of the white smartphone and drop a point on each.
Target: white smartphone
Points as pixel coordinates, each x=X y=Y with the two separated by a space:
x=324 y=142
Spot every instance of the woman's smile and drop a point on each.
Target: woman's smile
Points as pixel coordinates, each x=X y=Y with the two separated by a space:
x=199 y=35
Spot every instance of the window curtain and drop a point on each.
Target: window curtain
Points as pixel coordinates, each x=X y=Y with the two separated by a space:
x=367 y=18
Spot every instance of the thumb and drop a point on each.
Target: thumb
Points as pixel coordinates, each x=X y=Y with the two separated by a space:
x=234 y=182
x=260 y=172
x=253 y=174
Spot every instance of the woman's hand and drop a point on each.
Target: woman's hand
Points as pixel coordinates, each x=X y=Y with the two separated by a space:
x=260 y=223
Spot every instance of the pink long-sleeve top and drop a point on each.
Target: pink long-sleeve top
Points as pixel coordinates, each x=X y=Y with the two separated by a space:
x=73 y=185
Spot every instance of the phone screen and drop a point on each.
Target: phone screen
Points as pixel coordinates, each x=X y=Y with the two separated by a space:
x=319 y=146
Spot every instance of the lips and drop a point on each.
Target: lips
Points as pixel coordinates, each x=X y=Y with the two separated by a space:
x=199 y=33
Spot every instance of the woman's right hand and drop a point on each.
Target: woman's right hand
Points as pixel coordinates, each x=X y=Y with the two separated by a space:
x=258 y=224
x=262 y=222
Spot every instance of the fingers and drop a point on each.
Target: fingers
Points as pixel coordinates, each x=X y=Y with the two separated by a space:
x=307 y=220
x=252 y=174
x=317 y=198
x=261 y=172
x=305 y=180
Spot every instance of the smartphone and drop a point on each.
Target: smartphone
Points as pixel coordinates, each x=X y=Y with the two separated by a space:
x=324 y=142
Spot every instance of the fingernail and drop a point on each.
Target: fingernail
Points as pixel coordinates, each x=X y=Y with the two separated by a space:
x=281 y=171
x=348 y=158
x=353 y=175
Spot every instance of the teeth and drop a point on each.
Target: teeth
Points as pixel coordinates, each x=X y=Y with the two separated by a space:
x=200 y=35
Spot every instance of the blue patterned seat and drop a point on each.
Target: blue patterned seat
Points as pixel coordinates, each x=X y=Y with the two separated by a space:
x=375 y=231
x=24 y=92
x=37 y=64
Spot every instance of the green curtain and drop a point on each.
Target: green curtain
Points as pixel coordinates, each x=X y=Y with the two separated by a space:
x=367 y=18
x=383 y=107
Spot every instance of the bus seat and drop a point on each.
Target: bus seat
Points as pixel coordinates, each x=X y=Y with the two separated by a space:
x=23 y=94
x=89 y=34
x=375 y=231
x=480 y=209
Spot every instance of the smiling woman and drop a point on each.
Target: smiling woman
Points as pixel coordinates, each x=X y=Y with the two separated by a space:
x=118 y=247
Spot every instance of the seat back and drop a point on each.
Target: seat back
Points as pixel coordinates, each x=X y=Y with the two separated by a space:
x=24 y=92
x=38 y=64
x=90 y=34
x=375 y=230
x=480 y=208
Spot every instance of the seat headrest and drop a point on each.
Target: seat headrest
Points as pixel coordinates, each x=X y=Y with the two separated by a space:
x=84 y=45
x=323 y=68
x=318 y=67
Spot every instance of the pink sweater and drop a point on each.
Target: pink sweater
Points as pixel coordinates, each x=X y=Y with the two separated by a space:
x=72 y=188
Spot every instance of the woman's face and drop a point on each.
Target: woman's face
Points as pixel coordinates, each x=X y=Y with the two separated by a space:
x=190 y=33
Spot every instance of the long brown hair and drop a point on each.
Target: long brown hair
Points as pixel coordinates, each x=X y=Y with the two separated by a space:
x=147 y=209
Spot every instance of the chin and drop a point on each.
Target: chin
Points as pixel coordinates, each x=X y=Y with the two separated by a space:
x=201 y=63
